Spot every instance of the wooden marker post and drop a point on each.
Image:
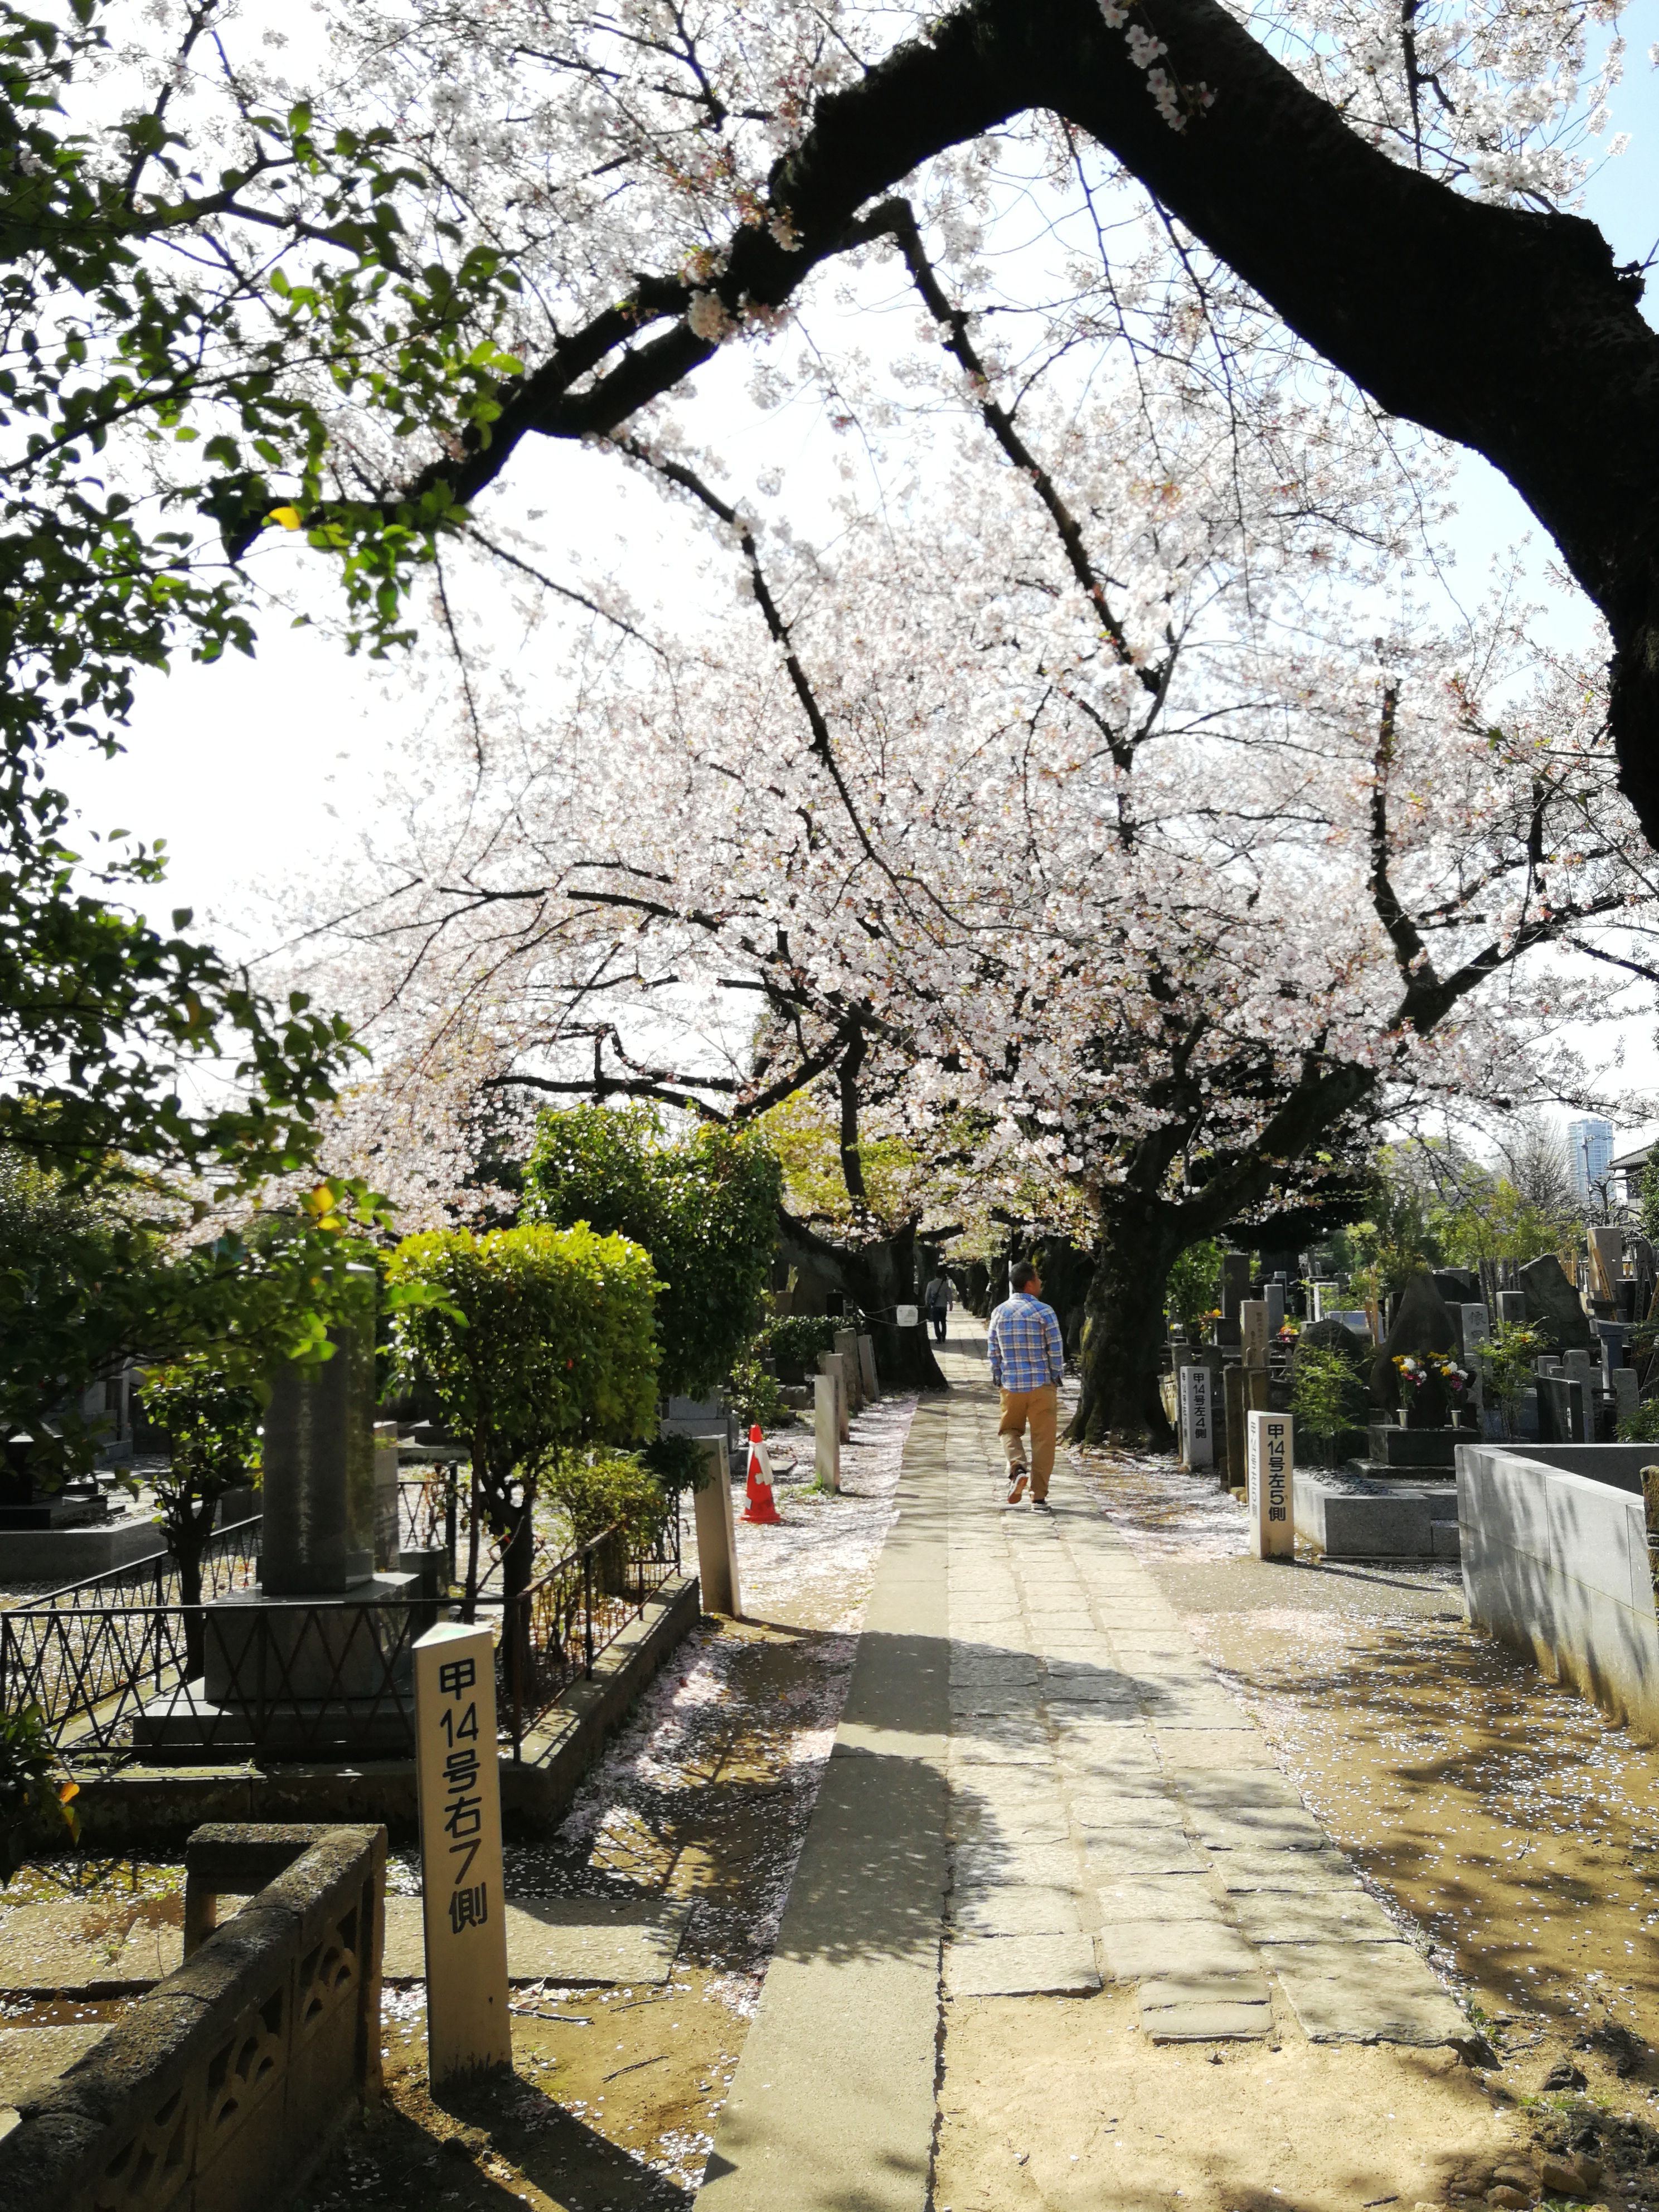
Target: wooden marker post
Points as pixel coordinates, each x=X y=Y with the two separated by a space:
x=1197 y=1422
x=1271 y=1498
x=717 y=1536
x=468 y=2027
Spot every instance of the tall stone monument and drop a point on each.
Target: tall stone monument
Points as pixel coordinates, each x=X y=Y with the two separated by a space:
x=316 y=1659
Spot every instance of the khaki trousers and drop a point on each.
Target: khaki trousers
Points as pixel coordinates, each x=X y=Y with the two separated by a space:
x=1041 y=1408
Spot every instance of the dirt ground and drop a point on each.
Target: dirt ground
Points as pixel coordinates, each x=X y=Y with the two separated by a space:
x=1510 y=1829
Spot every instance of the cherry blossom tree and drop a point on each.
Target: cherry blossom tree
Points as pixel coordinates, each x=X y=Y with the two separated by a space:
x=1080 y=823
x=1391 y=189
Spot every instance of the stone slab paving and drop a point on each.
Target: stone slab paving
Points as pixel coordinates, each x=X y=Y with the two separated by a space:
x=85 y=1949
x=1114 y=1815
x=33 y=2057
x=557 y=1939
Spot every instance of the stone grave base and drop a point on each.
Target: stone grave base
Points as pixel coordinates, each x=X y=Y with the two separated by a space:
x=1359 y=1516
x=1392 y=1447
x=69 y=1555
x=187 y=1725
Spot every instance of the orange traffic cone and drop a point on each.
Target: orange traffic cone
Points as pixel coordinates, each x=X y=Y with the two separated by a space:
x=762 y=1508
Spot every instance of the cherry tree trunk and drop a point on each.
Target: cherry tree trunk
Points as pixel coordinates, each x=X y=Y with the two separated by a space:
x=1121 y=1358
x=878 y=1277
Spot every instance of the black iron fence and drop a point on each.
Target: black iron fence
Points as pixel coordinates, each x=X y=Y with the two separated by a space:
x=434 y=1513
x=428 y=1515
x=552 y=1632
x=120 y=1669
x=230 y=1561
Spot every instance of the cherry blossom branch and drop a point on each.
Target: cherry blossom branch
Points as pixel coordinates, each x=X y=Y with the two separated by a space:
x=897 y=219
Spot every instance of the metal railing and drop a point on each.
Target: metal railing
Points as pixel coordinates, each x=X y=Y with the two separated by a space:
x=130 y=1671
x=553 y=1631
x=230 y=1561
x=427 y=1515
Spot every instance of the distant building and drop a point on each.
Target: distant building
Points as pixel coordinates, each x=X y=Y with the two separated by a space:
x=1589 y=1142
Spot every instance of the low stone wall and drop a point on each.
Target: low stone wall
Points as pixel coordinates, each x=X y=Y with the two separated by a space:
x=1555 y=1562
x=223 y=2088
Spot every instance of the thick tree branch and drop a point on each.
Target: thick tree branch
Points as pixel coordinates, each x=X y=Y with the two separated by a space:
x=1507 y=330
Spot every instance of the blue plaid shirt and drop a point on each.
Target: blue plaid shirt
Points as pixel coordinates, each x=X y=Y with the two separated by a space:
x=1024 y=1344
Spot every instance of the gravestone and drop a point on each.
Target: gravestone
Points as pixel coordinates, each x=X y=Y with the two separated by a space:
x=832 y=1364
x=469 y=2027
x=1606 y=1249
x=1336 y=1333
x=1271 y=1488
x=1246 y=1391
x=1325 y=1297
x=1234 y=1283
x=1613 y=1337
x=1357 y=1318
x=1564 y=1414
x=318 y=1534
x=386 y=1542
x=1474 y=1327
x=1421 y=1325
x=826 y=1434
x=1253 y=1331
x=1274 y=1296
x=1627 y=1393
x=1554 y=1305
x=316 y=1652
x=1579 y=1363
x=1512 y=1306
x=1197 y=1422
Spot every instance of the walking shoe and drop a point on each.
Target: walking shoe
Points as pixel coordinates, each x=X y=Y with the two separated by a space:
x=1041 y=1505
x=1017 y=1479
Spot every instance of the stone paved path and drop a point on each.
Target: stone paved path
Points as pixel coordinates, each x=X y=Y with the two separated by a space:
x=1114 y=1815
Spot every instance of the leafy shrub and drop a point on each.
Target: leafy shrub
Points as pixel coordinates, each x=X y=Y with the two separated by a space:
x=755 y=1396
x=537 y=1340
x=795 y=1340
x=679 y=1463
x=210 y=1407
x=1328 y=1395
x=1641 y=1427
x=1193 y=1290
x=704 y=1206
x=603 y=1490
x=1507 y=1360
x=34 y=1791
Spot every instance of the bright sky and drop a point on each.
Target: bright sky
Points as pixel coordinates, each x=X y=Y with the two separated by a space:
x=254 y=770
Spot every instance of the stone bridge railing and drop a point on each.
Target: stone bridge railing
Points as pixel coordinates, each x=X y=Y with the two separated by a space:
x=223 y=2087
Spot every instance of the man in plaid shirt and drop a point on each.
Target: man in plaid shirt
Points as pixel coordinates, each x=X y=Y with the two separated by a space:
x=1027 y=1361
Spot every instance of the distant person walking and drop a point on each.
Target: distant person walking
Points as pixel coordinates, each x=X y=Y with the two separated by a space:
x=939 y=1297
x=1027 y=1361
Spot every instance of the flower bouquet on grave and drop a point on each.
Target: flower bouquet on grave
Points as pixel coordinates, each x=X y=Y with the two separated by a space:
x=1454 y=1382
x=1425 y=1382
